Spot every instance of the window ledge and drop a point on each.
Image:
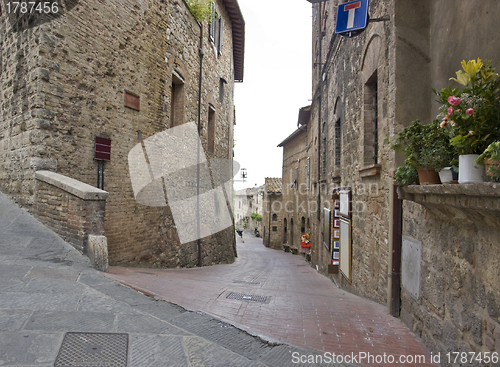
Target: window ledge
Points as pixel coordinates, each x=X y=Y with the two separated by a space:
x=336 y=175
x=370 y=171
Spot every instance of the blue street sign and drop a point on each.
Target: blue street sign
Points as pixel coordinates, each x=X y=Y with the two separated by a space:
x=352 y=16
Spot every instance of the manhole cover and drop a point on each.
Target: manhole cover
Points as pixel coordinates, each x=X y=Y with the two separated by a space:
x=248 y=297
x=93 y=350
x=247 y=283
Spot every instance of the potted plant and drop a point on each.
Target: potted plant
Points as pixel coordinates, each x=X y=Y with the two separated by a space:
x=471 y=115
x=427 y=150
x=406 y=175
x=490 y=159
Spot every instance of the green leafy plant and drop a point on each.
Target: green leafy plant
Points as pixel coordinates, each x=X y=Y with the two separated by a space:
x=492 y=153
x=406 y=175
x=256 y=216
x=424 y=146
x=201 y=9
x=471 y=113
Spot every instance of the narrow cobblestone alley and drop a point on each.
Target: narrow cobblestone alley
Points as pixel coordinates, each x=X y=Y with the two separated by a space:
x=303 y=308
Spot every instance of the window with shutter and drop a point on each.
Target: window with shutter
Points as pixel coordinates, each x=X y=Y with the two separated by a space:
x=371 y=121
x=338 y=143
x=308 y=173
x=221 y=28
x=296 y=178
x=213 y=22
x=211 y=131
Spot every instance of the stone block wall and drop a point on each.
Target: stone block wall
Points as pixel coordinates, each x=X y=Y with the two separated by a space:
x=341 y=137
x=295 y=203
x=70 y=208
x=64 y=82
x=272 y=217
x=411 y=39
x=454 y=302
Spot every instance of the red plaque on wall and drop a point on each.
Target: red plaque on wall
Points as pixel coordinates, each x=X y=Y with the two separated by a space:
x=102 y=149
x=132 y=101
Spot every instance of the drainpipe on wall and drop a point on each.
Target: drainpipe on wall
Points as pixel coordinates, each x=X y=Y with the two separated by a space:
x=320 y=50
x=395 y=246
x=269 y=226
x=201 y=52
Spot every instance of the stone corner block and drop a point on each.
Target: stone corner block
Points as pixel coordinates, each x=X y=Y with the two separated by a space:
x=98 y=252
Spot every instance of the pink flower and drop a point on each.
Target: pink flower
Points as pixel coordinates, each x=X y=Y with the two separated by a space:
x=470 y=111
x=450 y=110
x=454 y=101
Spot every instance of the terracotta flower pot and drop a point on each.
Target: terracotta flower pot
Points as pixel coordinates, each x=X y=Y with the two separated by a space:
x=490 y=163
x=428 y=177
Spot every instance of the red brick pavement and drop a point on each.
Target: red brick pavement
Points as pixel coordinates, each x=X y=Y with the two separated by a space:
x=306 y=309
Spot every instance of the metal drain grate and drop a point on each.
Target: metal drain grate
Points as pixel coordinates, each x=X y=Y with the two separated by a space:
x=248 y=297
x=243 y=282
x=93 y=350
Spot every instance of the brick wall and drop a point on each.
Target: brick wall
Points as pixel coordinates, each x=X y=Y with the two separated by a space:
x=71 y=209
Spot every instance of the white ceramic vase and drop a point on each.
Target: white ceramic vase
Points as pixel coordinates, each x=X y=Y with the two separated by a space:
x=468 y=170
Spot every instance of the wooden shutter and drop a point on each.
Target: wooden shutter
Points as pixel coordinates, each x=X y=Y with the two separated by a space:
x=212 y=28
x=221 y=28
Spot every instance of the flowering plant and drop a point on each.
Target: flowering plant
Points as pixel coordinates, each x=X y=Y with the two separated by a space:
x=306 y=238
x=471 y=113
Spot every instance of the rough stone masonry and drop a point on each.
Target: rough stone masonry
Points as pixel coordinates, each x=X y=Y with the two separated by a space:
x=64 y=80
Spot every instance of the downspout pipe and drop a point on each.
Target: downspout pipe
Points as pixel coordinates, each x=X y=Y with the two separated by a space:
x=396 y=244
x=320 y=49
x=198 y=225
x=269 y=226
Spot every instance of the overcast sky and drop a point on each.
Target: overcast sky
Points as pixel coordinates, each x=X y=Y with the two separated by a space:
x=276 y=84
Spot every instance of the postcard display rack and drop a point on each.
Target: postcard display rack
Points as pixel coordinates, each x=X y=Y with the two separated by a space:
x=336 y=232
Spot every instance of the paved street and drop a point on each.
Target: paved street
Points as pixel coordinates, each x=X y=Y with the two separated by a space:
x=48 y=289
x=304 y=308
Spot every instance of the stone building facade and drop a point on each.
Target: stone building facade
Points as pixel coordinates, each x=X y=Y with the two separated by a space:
x=365 y=90
x=352 y=111
x=247 y=202
x=240 y=210
x=272 y=218
x=124 y=70
x=296 y=184
x=255 y=196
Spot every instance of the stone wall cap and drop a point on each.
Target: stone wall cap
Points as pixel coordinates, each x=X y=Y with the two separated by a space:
x=491 y=189
x=75 y=187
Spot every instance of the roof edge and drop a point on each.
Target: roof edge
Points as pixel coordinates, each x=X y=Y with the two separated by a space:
x=291 y=136
x=238 y=27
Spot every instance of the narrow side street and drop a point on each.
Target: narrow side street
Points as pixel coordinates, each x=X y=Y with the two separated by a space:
x=303 y=308
x=49 y=293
